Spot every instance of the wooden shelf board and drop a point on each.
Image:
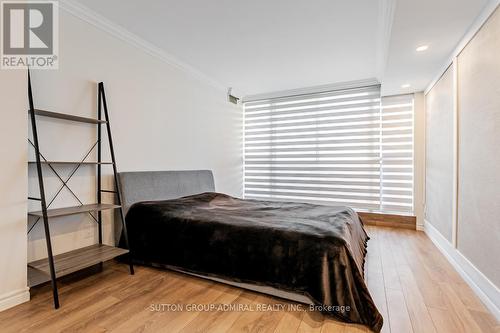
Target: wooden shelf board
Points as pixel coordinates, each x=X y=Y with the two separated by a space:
x=36 y=277
x=70 y=117
x=56 y=212
x=72 y=261
x=69 y=162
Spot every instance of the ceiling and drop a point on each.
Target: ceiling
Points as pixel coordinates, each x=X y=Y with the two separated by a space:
x=263 y=46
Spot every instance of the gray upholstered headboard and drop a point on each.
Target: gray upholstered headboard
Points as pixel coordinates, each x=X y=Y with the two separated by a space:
x=163 y=185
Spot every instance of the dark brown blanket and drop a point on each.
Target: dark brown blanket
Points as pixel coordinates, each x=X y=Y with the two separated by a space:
x=317 y=251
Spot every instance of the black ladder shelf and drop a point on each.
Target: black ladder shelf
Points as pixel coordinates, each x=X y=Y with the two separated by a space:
x=53 y=267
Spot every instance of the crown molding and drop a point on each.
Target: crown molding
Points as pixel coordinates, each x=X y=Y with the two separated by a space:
x=86 y=14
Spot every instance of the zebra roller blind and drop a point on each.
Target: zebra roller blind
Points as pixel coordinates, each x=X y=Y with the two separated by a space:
x=336 y=148
x=396 y=158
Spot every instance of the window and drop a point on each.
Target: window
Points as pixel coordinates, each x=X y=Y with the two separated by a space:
x=396 y=176
x=337 y=148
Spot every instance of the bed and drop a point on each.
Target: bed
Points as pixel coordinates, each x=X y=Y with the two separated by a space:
x=306 y=253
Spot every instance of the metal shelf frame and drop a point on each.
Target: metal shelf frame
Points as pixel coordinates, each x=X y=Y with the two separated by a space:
x=72 y=261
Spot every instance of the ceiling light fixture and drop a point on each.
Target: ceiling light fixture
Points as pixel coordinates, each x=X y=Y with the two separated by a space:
x=404 y=86
x=422 y=48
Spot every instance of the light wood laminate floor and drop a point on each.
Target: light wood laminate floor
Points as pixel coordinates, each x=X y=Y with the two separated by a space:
x=413 y=285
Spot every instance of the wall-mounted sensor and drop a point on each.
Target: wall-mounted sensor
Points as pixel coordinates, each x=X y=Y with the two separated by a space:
x=231 y=98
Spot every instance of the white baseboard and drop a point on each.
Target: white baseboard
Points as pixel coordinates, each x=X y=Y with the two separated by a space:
x=14 y=298
x=487 y=292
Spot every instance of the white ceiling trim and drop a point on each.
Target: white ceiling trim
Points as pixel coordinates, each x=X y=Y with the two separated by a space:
x=313 y=90
x=86 y=14
x=469 y=35
x=387 y=8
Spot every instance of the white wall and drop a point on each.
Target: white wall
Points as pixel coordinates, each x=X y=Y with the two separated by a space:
x=439 y=155
x=478 y=149
x=472 y=140
x=162 y=118
x=13 y=187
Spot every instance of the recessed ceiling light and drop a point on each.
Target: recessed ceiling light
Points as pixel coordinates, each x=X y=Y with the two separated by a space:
x=422 y=48
x=404 y=86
